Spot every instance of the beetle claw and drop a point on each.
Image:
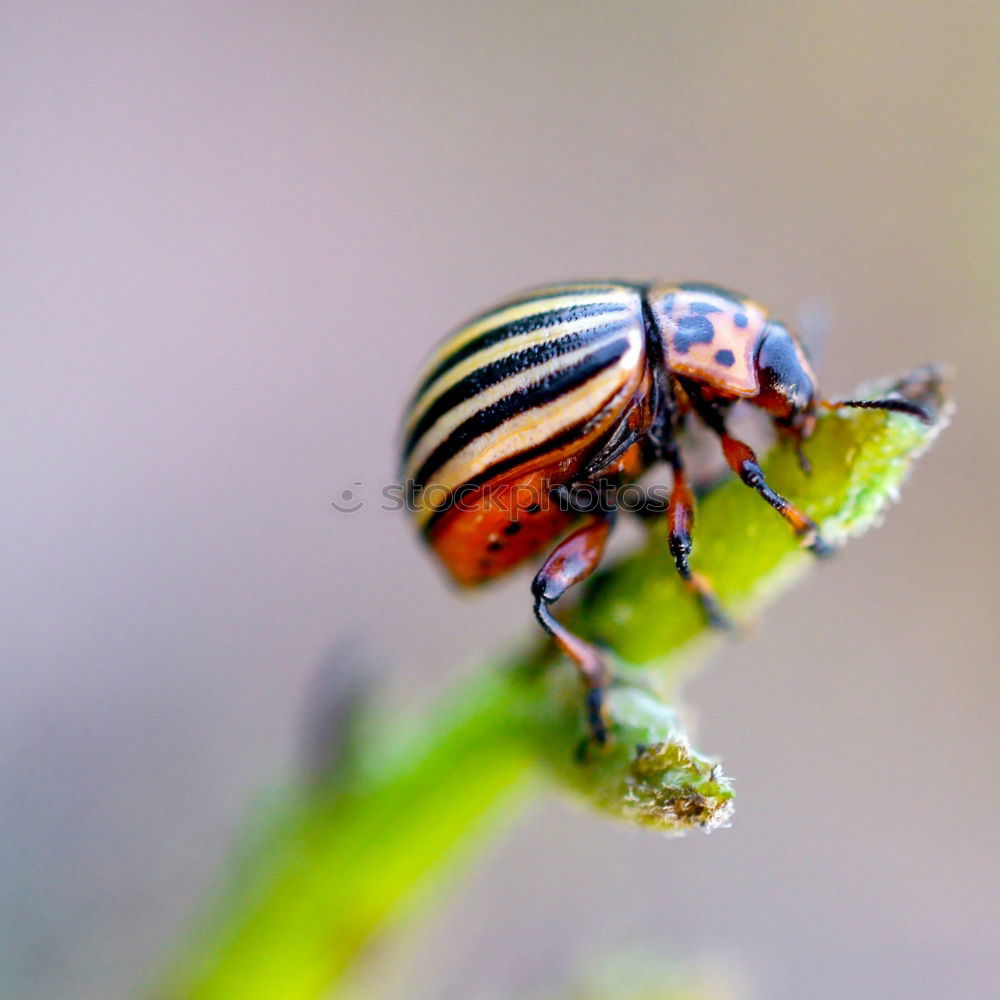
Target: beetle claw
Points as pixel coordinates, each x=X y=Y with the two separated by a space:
x=820 y=547
x=804 y=464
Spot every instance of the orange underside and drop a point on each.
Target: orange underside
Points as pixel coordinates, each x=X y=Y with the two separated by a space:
x=505 y=522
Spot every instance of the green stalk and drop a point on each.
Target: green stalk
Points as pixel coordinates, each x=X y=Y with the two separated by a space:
x=335 y=862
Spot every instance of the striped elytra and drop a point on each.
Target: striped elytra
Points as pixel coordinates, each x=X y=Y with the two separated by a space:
x=511 y=388
x=514 y=402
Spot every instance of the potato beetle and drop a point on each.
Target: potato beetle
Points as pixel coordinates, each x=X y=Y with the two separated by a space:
x=588 y=384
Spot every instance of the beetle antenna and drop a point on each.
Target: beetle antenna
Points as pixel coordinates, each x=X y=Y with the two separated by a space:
x=896 y=405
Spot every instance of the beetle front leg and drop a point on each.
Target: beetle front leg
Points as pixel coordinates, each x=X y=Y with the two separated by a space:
x=741 y=459
x=573 y=560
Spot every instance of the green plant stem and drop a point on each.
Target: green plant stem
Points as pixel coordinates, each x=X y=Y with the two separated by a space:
x=333 y=866
x=337 y=861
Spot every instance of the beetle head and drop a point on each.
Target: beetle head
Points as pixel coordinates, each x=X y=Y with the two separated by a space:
x=788 y=391
x=787 y=383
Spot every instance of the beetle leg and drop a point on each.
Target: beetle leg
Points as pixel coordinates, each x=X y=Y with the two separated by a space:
x=616 y=446
x=573 y=560
x=680 y=519
x=741 y=459
x=654 y=505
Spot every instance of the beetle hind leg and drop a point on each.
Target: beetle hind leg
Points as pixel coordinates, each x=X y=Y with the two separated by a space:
x=573 y=560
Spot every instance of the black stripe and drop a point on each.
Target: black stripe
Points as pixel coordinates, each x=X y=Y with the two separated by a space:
x=552 y=317
x=498 y=469
x=496 y=371
x=544 y=391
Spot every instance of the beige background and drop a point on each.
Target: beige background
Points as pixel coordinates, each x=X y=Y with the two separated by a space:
x=229 y=232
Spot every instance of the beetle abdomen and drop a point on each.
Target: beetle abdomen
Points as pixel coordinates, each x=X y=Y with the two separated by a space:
x=519 y=381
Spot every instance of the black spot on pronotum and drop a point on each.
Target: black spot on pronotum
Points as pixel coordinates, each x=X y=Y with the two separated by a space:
x=513 y=528
x=495 y=546
x=693 y=330
x=740 y=320
x=704 y=307
x=726 y=358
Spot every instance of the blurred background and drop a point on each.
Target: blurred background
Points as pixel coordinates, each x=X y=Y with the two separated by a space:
x=230 y=232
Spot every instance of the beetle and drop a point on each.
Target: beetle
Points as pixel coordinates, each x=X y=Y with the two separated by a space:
x=583 y=386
